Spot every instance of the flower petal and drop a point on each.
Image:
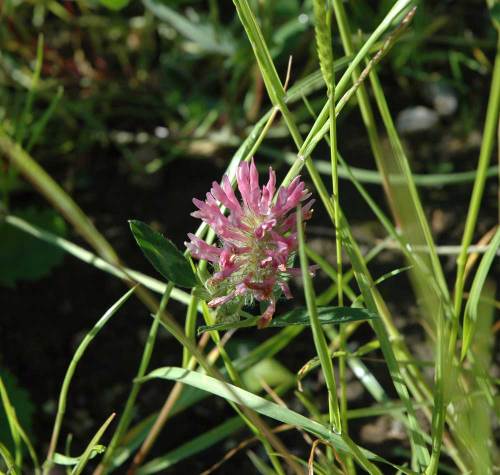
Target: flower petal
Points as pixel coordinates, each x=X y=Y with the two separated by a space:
x=201 y=250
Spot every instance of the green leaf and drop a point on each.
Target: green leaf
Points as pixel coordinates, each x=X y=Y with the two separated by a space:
x=23 y=257
x=300 y=316
x=495 y=12
x=164 y=255
x=114 y=4
x=61 y=459
x=252 y=401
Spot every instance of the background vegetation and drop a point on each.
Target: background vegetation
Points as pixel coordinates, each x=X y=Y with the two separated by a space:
x=114 y=111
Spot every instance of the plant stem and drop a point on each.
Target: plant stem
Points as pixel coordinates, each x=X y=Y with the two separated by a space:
x=127 y=414
x=317 y=331
x=490 y=129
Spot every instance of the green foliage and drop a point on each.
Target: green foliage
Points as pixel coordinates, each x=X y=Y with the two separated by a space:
x=300 y=316
x=161 y=80
x=163 y=255
x=114 y=4
x=23 y=406
x=23 y=257
x=60 y=459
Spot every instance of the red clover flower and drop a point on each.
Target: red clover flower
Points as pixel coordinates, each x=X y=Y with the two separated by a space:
x=257 y=241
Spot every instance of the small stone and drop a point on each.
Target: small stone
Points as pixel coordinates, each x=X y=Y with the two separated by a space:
x=443 y=99
x=416 y=119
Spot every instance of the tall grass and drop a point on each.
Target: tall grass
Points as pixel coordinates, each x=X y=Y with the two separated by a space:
x=445 y=412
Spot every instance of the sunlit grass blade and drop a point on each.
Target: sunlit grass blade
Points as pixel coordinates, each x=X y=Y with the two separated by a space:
x=61 y=201
x=90 y=448
x=487 y=144
x=10 y=463
x=191 y=396
x=317 y=331
x=10 y=413
x=259 y=404
x=315 y=134
x=431 y=180
x=474 y=402
x=92 y=259
x=409 y=209
x=369 y=292
x=60 y=459
x=17 y=431
x=471 y=308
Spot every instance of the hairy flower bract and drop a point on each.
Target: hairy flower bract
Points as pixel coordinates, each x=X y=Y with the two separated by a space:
x=257 y=241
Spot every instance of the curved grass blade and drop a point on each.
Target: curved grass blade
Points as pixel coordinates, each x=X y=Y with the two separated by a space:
x=10 y=413
x=252 y=401
x=363 y=175
x=94 y=260
x=300 y=316
x=91 y=447
x=264 y=407
x=66 y=460
x=163 y=255
x=72 y=368
x=470 y=317
x=17 y=432
x=9 y=460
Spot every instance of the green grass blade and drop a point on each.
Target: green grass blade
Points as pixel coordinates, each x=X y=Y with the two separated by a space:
x=432 y=180
x=28 y=106
x=61 y=407
x=60 y=459
x=91 y=447
x=193 y=447
x=317 y=331
x=10 y=412
x=92 y=259
x=257 y=403
x=409 y=209
x=259 y=464
x=471 y=308
x=369 y=293
x=126 y=416
x=9 y=460
x=490 y=130
x=314 y=136
x=34 y=173
x=41 y=123
x=17 y=431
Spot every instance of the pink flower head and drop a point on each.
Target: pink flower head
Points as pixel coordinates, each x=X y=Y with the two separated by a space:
x=258 y=240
